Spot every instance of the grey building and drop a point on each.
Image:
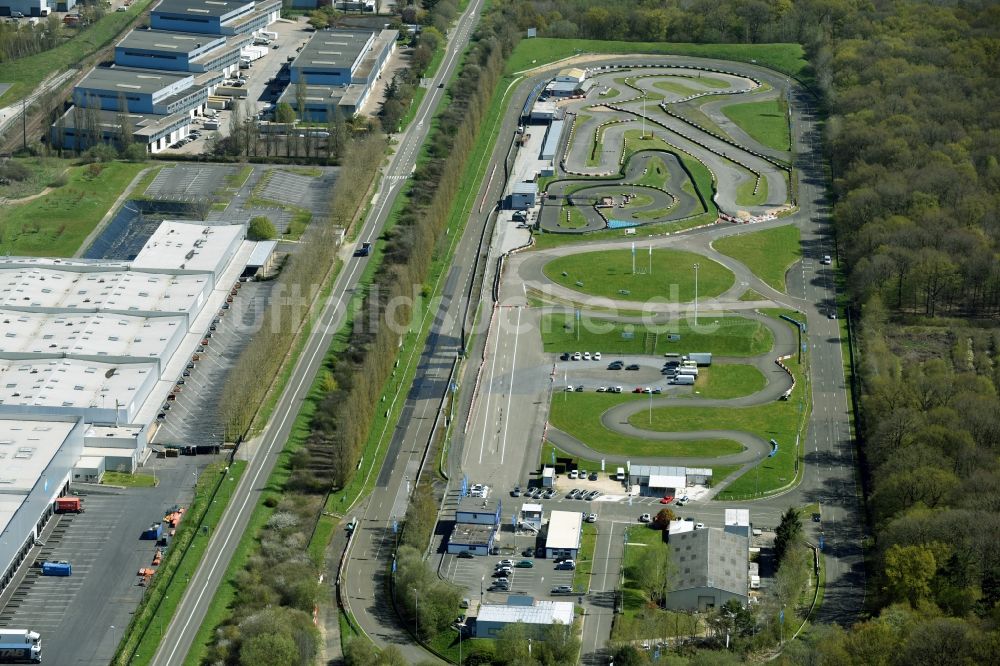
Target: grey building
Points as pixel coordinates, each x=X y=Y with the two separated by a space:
x=535 y=615
x=712 y=568
x=476 y=523
x=523 y=195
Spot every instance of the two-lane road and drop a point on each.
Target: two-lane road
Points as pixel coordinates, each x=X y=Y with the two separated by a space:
x=191 y=611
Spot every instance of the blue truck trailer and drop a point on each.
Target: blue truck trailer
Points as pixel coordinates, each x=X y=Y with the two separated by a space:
x=57 y=569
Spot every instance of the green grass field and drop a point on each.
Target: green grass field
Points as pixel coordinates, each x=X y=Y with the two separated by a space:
x=725 y=336
x=769 y=253
x=128 y=480
x=609 y=273
x=656 y=173
x=766 y=122
x=728 y=381
x=745 y=195
x=24 y=74
x=703 y=181
x=56 y=224
x=676 y=88
x=42 y=172
x=585 y=558
x=787 y=58
x=570 y=217
x=579 y=415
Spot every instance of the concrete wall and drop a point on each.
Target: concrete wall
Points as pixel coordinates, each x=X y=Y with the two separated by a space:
x=701 y=599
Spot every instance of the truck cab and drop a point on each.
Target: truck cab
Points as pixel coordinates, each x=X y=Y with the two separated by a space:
x=364 y=250
x=20 y=646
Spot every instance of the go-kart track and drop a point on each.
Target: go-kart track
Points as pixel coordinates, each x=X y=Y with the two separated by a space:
x=632 y=140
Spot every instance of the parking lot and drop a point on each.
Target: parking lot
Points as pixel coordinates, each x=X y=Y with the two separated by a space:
x=193 y=417
x=81 y=617
x=476 y=574
x=189 y=182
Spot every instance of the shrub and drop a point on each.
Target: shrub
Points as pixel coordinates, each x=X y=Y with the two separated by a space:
x=12 y=170
x=261 y=229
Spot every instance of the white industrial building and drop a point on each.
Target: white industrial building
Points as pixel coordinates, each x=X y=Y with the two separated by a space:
x=661 y=481
x=37 y=456
x=565 y=531
x=536 y=615
x=737 y=521
x=89 y=352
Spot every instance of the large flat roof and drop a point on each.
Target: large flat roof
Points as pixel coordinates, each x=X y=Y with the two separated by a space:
x=333 y=49
x=191 y=246
x=87 y=334
x=169 y=41
x=541 y=612
x=26 y=448
x=564 y=529
x=201 y=7
x=130 y=79
x=71 y=383
x=37 y=288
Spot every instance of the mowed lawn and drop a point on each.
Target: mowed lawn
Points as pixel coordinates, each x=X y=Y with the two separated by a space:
x=766 y=122
x=768 y=253
x=724 y=336
x=579 y=415
x=55 y=225
x=667 y=276
x=787 y=58
x=728 y=381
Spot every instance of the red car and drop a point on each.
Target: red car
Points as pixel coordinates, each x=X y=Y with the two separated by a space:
x=637 y=389
x=667 y=499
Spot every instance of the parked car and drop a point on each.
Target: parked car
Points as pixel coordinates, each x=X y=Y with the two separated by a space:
x=577 y=356
x=525 y=564
x=562 y=589
x=579 y=388
x=645 y=518
x=566 y=565
x=564 y=356
x=602 y=389
x=591 y=518
x=633 y=366
x=516 y=492
x=550 y=493
x=505 y=563
x=617 y=389
x=593 y=476
x=586 y=356
x=597 y=356
x=616 y=365
x=465 y=555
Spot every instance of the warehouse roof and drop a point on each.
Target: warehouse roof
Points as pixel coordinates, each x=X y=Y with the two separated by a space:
x=36 y=288
x=189 y=246
x=35 y=334
x=167 y=40
x=71 y=383
x=525 y=188
x=130 y=79
x=711 y=558
x=150 y=125
x=564 y=530
x=26 y=447
x=201 y=7
x=333 y=49
x=541 y=612
x=738 y=517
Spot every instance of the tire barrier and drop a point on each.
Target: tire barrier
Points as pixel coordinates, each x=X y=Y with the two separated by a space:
x=780 y=362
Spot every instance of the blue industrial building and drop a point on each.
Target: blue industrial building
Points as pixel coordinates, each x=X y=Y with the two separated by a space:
x=215 y=17
x=140 y=91
x=180 y=51
x=339 y=68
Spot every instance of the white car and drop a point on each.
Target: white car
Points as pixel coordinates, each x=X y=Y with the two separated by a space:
x=573 y=474
x=592 y=518
x=617 y=389
x=577 y=356
x=505 y=563
x=699 y=526
x=645 y=518
x=586 y=356
x=597 y=356
x=602 y=389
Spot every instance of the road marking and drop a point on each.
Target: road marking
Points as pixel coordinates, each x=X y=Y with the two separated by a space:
x=510 y=393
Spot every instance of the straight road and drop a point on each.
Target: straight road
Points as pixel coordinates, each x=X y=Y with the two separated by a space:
x=191 y=611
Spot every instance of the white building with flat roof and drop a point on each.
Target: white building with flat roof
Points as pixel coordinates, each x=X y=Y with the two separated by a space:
x=564 y=534
x=107 y=337
x=36 y=459
x=737 y=521
x=96 y=392
x=537 y=616
x=191 y=247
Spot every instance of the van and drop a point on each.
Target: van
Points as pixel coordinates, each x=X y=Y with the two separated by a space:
x=620 y=474
x=686 y=380
x=757 y=532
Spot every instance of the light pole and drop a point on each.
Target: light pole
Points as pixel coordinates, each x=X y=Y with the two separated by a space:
x=416 y=613
x=696 y=267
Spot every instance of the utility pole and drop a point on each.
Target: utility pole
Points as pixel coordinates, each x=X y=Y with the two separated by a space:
x=24 y=123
